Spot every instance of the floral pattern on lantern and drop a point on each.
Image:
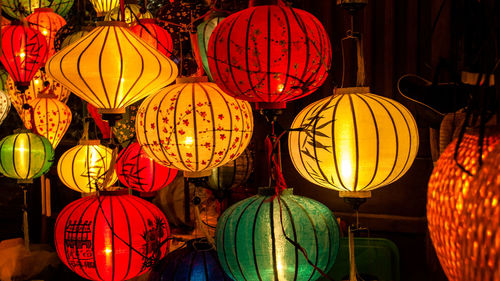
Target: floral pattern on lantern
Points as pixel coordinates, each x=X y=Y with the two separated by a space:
x=48 y=23
x=111 y=237
x=22 y=8
x=269 y=55
x=154 y=35
x=193 y=126
x=132 y=13
x=4 y=105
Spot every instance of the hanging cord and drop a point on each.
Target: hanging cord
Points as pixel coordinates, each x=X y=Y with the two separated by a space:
x=356 y=36
x=24 y=187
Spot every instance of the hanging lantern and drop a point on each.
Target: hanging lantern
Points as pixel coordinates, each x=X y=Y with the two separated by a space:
x=103 y=7
x=25 y=156
x=84 y=167
x=51 y=117
x=124 y=129
x=195 y=262
x=354 y=141
x=233 y=174
x=24 y=51
x=111 y=237
x=111 y=68
x=193 y=126
x=22 y=8
x=269 y=55
x=4 y=105
x=136 y=170
x=203 y=31
x=449 y=186
x=132 y=13
x=154 y=35
x=72 y=38
x=251 y=244
x=481 y=226
x=48 y=23
x=3 y=78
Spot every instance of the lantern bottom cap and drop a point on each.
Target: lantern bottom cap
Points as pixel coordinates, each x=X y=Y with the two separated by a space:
x=198 y=174
x=270 y=105
x=355 y=194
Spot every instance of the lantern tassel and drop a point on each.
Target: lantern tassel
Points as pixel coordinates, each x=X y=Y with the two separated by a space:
x=25 y=220
x=361 y=76
x=352 y=260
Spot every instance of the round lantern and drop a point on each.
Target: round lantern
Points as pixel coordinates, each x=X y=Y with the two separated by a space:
x=23 y=8
x=132 y=13
x=196 y=262
x=251 y=244
x=24 y=50
x=51 y=117
x=111 y=237
x=25 y=156
x=111 y=68
x=84 y=167
x=3 y=78
x=448 y=187
x=48 y=23
x=102 y=7
x=353 y=141
x=203 y=31
x=480 y=239
x=4 y=105
x=193 y=126
x=154 y=35
x=136 y=170
x=73 y=38
x=269 y=55
x=233 y=174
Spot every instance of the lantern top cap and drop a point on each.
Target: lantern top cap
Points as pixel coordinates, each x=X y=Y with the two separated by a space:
x=44 y=9
x=111 y=192
x=22 y=131
x=254 y=3
x=195 y=79
x=150 y=21
x=111 y=23
x=89 y=142
x=49 y=95
x=270 y=191
x=352 y=90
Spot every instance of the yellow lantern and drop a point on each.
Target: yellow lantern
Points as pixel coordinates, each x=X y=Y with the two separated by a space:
x=353 y=141
x=84 y=167
x=102 y=7
x=132 y=13
x=194 y=126
x=51 y=117
x=111 y=68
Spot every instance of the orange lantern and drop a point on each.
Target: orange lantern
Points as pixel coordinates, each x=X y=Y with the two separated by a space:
x=48 y=23
x=154 y=35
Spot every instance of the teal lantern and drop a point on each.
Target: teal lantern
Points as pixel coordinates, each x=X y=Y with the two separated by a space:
x=22 y=8
x=251 y=244
x=203 y=31
x=25 y=156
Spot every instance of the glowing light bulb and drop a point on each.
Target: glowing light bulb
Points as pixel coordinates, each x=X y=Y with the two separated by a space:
x=281 y=87
x=44 y=32
x=108 y=251
x=188 y=141
x=37 y=81
x=22 y=55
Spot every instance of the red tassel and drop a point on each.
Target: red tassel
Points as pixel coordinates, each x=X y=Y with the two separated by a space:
x=103 y=126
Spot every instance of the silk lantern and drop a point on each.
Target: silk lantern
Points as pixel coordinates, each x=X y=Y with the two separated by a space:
x=154 y=35
x=102 y=7
x=48 y=23
x=73 y=38
x=25 y=156
x=136 y=170
x=111 y=237
x=111 y=68
x=24 y=51
x=449 y=186
x=232 y=174
x=251 y=244
x=51 y=117
x=84 y=167
x=193 y=126
x=132 y=13
x=4 y=105
x=22 y=8
x=3 y=78
x=353 y=142
x=203 y=32
x=269 y=55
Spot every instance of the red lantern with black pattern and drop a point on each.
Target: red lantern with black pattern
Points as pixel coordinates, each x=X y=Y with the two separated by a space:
x=154 y=35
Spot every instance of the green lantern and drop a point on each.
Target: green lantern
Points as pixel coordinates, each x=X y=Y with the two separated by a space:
x=232 y=174
x=22 y=8
x=3 y=78
x=251 y=245
x=203 y=31
x=25 y=156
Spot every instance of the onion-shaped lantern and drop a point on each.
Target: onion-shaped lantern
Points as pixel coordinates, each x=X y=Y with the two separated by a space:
x=51 y=117
x=232 y=174
x=193 y=126
x=25 y=156
x=132 y=13
x=22 y=8
x=353 y=141
x=449 y=185
x=48 y=23
x=251 y=244
x=111 y=237
x=203 y=32
x=154 y=35
x=136 y=170
x=24 y=50
x=84 y=168
x=197 y=261
x=4 y=105
x=111 y=68
x=269 y=55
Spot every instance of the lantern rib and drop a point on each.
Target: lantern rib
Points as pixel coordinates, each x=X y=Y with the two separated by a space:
x=93 y=238
x=231 y=126
x=268 y=74
x=243 y=129
x=236 y=237
x=246 y=52
x=273 y=239
x=289 y=49
x=193 y=100
x=214 y=137
x=103 y=47
x=113 y=252
x=120 y=81
x=336 y=105
x=356 y=141
x=223 y=233
x=121 y=72
x=229 y=62
x=294 y=231
x=253 y=240
x=303 y=28
x=145 y=135
x=44 y=154
x=181 y=159
x=10 y=53
x=14 y=158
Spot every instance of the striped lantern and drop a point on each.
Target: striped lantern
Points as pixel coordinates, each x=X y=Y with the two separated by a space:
x=25 y=156
x=51 y=117
x=111 y=237
x=107 y=68
x=353 y=141
x=449 y=187
x=136 y=170
x=84 y=168
x=4 y=105
x=193 y=126
x=22 y=8
x=251 y=244
x=204 y=31
x=232 y=174
x=48 y=23
x=102 y=7
x=154 y=35
x=72 y=38
x=269 y=55
x=132 y=13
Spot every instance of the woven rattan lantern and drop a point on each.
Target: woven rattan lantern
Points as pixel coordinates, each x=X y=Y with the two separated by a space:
x=48 y=23
x=111 y=68
x=111 y=237
x=353 y=141
x=154 y=35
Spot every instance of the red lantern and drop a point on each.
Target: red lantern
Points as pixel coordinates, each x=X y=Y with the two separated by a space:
x=24 y=51
x=135 y=169
x=269 y=55
x=111 y=237
x=48 y=23
x=154 y=35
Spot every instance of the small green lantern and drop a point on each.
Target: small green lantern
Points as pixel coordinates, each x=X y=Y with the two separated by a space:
x=232 y=174
x=21 y=8
x=3 y=78
x=251 y=245
x=25 y=156
x=203 y=31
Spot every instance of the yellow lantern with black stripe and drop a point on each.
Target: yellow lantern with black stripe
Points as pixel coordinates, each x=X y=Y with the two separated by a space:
x=353 y=142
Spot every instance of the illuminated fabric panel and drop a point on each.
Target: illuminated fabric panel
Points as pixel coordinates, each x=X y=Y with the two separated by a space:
x=132 y=13
x=232 y=174
x=51 y=118
x=102 y=7
x=154 y=35
x=203 y=31
x=22 y=8
x=48 y=23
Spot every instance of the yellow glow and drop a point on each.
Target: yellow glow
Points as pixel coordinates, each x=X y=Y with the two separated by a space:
x=281 y=87
x=22 y=55
x=189 y=141
x=44 y=32
x=51 y=118
x=36 y=81
x=108 y=251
